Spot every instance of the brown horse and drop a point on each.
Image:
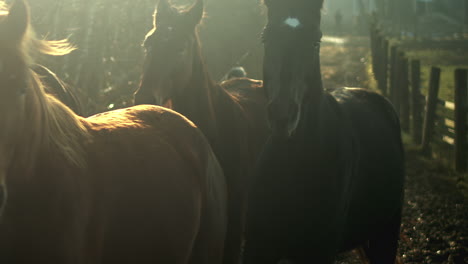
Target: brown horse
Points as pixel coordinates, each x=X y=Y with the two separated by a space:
x=136 y=185
x=231 y=115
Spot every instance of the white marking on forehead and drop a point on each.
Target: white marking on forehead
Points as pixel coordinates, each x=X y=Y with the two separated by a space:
x=292 y=22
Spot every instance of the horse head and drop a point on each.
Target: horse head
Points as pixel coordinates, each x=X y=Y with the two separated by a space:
x=172 y=47
x=14 y=83
x=291 y=63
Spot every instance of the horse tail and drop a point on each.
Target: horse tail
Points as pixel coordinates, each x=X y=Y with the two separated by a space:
x=389 y=111
x=209 y=243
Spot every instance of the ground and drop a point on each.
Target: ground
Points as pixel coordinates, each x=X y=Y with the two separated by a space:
x=435 y=216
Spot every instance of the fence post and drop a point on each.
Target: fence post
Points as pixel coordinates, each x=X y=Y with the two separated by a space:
x=393 y=78
x=461 y=86
x=383 y=85
x=431 y=107
x=373 y=52
x=404 y=92
x=416 y=101
x=378 y=57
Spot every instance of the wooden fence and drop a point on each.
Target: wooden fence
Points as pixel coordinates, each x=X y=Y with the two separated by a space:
x=432 y=122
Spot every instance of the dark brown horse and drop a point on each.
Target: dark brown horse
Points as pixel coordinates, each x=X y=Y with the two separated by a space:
x=136 y=185
x=331 y=176
x=231 y=115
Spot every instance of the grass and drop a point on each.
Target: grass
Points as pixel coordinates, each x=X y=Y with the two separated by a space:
x=438 y=169
x=447 y=61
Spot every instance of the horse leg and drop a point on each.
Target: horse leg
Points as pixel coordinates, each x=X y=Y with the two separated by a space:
x=209 y=244
x=235 y=230
x=382 y=248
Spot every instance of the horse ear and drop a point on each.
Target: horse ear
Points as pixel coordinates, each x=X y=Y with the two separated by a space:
x=195 y=14
x=17 y=21
x=162 y=12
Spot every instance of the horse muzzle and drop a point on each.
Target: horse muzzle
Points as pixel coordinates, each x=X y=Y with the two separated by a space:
x=283 y=118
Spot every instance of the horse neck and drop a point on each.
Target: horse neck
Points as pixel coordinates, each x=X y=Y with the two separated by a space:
x=316 y=96
x=51 y=130
x=197 y=102
x=316 y=85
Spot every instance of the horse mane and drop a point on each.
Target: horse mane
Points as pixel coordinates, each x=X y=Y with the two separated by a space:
x=33 y=45
x=57 y=127
x=49 y=125
x=3 y=9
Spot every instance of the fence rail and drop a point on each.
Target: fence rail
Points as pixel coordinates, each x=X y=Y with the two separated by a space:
x=432 y=122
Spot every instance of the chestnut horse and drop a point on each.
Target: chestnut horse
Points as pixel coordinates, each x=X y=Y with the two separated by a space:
x=231 y=115
x=136 y=185
x=331 y=175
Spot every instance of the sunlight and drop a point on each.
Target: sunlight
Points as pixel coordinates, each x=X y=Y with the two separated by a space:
x=335 y=40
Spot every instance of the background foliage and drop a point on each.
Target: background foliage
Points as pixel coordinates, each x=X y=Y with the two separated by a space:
x=106 y=68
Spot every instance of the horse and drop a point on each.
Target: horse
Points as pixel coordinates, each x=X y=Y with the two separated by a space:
x=331 y=175
x=134 y=185
x=232 y=115
x=59 y=88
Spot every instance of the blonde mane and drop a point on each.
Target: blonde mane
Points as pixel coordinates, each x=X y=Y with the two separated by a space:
x=58 y=127
x=3 y=9
x=50 y=126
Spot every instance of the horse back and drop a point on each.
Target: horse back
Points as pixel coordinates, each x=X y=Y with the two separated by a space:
x=156 y=132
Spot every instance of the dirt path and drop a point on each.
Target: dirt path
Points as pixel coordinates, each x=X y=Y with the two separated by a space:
x=344 y=61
